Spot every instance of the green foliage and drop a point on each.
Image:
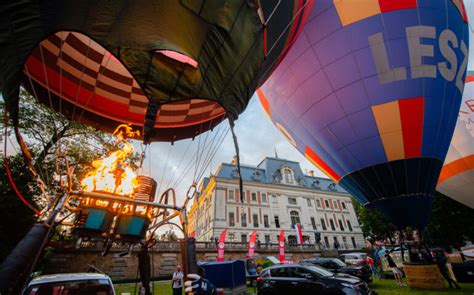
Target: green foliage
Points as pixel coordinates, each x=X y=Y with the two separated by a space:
x=373 y=223
x=51 y=138
x=15 y=218
x=451 y=224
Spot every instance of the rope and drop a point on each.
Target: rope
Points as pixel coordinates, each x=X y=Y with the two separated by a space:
x=237 y=154
x=7 y=168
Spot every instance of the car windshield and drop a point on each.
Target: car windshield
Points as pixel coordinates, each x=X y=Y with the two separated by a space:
x=339 y=262
x=83 y=287
x=320 y=271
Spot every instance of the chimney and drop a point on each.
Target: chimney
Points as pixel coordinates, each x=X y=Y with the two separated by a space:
x=234 y=160
x=311 y=172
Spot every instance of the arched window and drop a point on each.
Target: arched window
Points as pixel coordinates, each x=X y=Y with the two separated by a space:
x=295 y=218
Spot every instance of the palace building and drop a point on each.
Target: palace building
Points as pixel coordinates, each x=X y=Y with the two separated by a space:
x=277 y=195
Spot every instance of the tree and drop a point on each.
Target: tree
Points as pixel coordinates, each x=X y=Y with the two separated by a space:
x=15 y=218
x=373 y=223
x=50 y=137
x=451 y=223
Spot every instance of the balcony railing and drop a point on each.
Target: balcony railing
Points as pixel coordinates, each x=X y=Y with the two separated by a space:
x=174 y=246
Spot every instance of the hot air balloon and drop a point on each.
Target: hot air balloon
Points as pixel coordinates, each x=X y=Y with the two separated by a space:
x=177 y=68
x=457 y=175
x=370 y=94
x=173 y=69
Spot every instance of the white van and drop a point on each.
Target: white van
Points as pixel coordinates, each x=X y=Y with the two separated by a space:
x=71 y=283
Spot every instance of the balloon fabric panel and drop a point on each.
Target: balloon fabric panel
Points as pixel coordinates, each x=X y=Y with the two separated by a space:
x=457 y=175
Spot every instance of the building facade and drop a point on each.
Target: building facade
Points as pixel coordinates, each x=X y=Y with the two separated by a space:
x=277 y=195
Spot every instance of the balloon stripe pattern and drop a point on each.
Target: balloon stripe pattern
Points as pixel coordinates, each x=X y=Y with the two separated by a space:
x=457 y=176
x=369 y=93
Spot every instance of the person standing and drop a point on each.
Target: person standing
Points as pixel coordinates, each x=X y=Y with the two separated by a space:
x=396 y=272
x=441 y=260
x=177 y=281
x=371 y=263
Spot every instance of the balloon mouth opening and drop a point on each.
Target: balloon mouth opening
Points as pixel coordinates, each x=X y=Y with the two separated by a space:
x=94 y=87
x=406 y=211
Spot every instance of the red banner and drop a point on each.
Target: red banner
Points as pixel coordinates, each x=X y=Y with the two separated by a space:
x=299 y=234
x=221 y=246
x=252 y=240
x=281 y=247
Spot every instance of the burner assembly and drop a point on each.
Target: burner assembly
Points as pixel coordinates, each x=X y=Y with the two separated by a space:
x=107 y=215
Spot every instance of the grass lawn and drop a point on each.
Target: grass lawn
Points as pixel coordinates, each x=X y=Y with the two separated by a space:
x=389 y=287
x=382 y=287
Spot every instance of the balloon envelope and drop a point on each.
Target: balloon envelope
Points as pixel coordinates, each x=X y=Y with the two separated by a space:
x=177 y=68
x=370 y=93
x=457 y=176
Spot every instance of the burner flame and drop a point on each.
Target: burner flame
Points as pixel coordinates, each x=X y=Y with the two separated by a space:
x=112 y=174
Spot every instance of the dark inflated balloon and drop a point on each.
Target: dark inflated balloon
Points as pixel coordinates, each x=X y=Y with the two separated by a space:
x=177 y=68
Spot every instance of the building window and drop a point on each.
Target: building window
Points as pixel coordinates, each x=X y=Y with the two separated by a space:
x=310 y=204
x=335 y=204
x=295 y=218
x=332 y=224
x=326 y=241
x=318 y=203
x=277 y=221
x=264 y=198
x=267 y=239
x=254 y=197
x=349 y=225
x=255 y=220
x=313 y=222
x=231 y=237
x=265 y=221
x=327 y=203
x=244 y=219
x=336 y=243
x=323 y=224
x=340 y=225
x=344 y=242
x=353 y=242
x=231 y=219
x=288 y=174
x=292 y=201
x=344 y=205
x=243 y=238
x=274 y=199
x=231 y=195
x=292 y=240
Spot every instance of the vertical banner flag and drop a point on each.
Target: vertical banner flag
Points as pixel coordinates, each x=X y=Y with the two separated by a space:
x=281 y=246
x=299 y=234
x=220 y=246
x=252 y=240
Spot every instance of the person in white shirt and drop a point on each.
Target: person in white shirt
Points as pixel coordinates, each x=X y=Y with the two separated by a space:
x=177 y=281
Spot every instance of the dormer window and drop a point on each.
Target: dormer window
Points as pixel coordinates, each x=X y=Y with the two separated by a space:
x=288 y=176
x=235 y=173
x=256 y=176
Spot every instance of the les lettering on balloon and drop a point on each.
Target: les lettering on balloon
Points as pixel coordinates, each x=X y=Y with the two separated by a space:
x=450 y=67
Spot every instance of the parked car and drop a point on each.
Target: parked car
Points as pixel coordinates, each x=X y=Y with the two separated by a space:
x=337 y=266
x=356 y=258
x=307 y=279
x=71 y=283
